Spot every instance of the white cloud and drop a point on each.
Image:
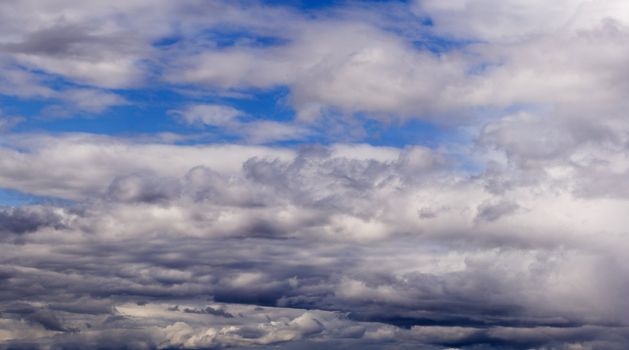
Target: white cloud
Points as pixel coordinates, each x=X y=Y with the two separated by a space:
x=514 y=20
x=350 y=66
x=209 y=115
x=230 y=120
x=91 y=100
x=102 y=159
x=261 y=132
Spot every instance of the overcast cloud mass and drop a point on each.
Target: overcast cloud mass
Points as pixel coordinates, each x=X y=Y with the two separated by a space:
x=204 y=174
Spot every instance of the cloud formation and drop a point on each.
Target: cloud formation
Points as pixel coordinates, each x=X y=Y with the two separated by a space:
x=508 y=232
x=228 y=121
x=322 y=229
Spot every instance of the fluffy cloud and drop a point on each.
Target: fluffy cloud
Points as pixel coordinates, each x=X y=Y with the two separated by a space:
x=337 y=62
x=497 y=265
x=513 y=237
x=350 y=66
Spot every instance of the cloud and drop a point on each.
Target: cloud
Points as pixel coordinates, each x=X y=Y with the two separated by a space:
x=340 y=63
x=143 y=188
x=93 y=101
x=85 y=44
x=209 y=310
x=21 y=83
x=7 y=123
x=178 y=234
x=18 y=221
x=208 y=115
x=510 y=235
x=350 y=66
x=229 y=119
x=60 y=157
x=516 y=19
x=261 y=132
x=491 y=211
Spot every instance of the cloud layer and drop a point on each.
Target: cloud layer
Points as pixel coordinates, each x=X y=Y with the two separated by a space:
x=395 y=248
x=508 y=233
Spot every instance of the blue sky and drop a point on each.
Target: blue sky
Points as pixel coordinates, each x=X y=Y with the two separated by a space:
x=147 y=108
x=147 y=112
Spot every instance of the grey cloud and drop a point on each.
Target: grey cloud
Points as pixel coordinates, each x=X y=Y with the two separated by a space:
x=106 y=46
x=494 y=211
x=77 y=47
x=39 y=316
x=210 y=311
x=85 y=306
x=113 y=253
x=25 y=156
x=48 y=320
x=19 y=221
x=57 y=40
x=143 y=188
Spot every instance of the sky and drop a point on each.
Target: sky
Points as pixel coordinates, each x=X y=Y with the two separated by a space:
x=207 y=174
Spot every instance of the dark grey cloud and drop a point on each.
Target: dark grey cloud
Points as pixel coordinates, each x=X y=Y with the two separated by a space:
x=58 y=40
x=494 y=211
x=19 y=221
x=337 y=277
x=209 y=310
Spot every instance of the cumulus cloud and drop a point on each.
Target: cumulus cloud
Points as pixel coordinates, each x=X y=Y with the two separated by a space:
x=336 y=63
x=483 y=271
x=512 y=235
x=29 y=219
x=349 y=66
